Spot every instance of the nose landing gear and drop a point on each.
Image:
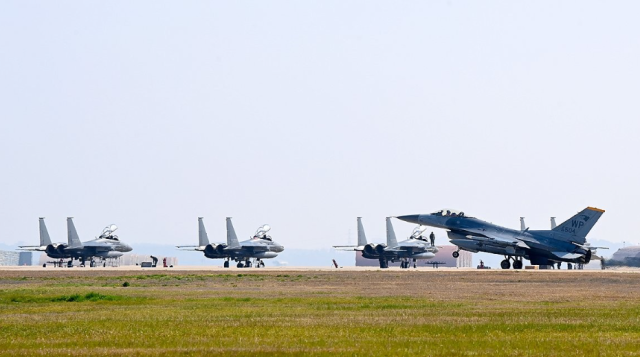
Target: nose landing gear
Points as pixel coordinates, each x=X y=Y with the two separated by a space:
x=456 y=254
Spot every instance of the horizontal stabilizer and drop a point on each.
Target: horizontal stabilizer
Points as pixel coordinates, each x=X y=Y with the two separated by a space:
x=32 y=248
x=348 y=247
x=190 y=247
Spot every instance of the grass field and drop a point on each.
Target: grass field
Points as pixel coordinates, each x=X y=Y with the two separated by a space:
x=102 y=312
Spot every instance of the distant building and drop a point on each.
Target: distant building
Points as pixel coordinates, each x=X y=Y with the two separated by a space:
x=443 y=255
x=15 y=258
x=626 y=252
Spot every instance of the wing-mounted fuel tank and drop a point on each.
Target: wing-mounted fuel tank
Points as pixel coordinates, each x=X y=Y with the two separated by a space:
x=265 y=255
x=109 y=254
x=424 y=255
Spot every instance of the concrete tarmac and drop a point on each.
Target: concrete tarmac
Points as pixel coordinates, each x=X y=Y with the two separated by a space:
x=220 y=269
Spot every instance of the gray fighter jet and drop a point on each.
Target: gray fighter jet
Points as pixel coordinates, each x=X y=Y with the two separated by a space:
x=413 y=248
x=245 y=253
x=106 y=246
x=564 y=243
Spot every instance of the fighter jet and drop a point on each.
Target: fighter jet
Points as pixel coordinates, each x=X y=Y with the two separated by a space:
x=106 y=246
x=415 y=247
x=564 y=243
x=258 y=247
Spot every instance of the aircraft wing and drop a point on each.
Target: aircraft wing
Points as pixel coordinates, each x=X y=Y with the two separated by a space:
x=189 y=247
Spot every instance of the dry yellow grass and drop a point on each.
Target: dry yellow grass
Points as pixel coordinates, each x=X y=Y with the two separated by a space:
x=252 y=312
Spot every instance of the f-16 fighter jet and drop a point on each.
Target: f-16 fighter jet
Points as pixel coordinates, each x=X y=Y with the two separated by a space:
x=564 y=243
x=245 y=253
x=416 y=247
x=106 y=246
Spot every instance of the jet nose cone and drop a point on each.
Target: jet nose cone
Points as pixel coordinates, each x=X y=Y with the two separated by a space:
x=126 y=248
x=279 y=248
x=413 y=218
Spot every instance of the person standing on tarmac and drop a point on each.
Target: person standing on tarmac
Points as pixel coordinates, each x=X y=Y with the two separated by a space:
x=432 y=238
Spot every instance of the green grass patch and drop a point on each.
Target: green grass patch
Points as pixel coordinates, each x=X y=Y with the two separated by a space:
x=316 y=314
x=91 y=296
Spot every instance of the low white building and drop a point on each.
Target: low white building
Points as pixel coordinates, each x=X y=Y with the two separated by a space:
x=15 y=258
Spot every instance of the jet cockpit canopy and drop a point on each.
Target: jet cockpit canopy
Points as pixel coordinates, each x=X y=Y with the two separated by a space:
x=417 y=232
x=447 y=212
x=261 y=233
x=107 y=232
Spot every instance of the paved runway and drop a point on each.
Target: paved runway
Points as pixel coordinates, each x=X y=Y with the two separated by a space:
x=188 y=268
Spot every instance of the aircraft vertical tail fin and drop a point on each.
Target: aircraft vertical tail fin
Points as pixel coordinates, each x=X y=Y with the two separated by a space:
x=522 y=225
x=391 y=234
x=232 y=238
x=203 y=239
x=362 y=238
x=44 y=234
x=579 y=225
x=553 y=223
x=72 y=234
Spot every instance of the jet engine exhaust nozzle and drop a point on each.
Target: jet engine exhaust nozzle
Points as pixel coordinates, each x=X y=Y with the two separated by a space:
x=380 y=248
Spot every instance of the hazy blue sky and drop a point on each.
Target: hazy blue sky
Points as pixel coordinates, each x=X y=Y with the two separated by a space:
x=304 y=115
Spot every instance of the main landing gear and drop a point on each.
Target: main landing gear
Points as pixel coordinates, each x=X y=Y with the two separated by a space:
x=246 y=264
x=384 y=264
x=406 y=264
x=456 y=254
x=506 y=263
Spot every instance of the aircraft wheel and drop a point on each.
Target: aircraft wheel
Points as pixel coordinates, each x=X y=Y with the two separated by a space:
x=455 y=254
x=517 y=264
x=247 y=264
x=240 y=265
x=505 y=264
x=44 y=265
x=226 y=264
x=569 y=266
x=104 y=265
x=262 y=263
